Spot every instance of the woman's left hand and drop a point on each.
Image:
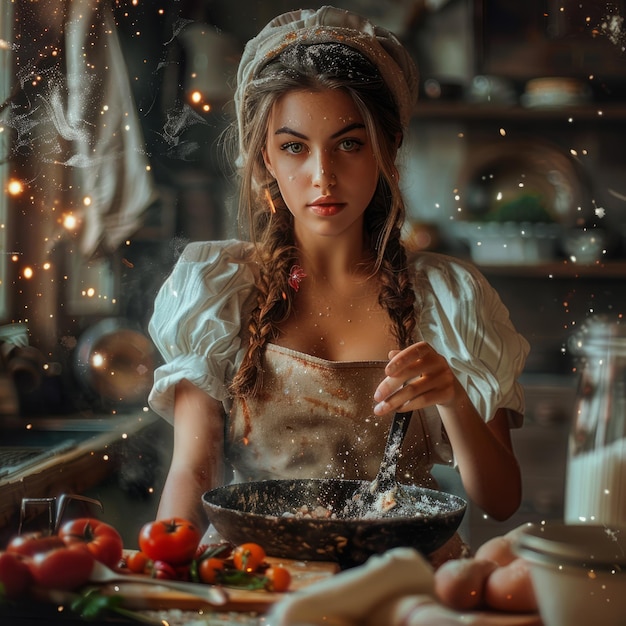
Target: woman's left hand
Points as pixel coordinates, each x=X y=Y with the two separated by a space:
x=417 y=377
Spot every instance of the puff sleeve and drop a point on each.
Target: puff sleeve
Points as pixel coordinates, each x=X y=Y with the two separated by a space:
x=461 y=315
x=197 y=320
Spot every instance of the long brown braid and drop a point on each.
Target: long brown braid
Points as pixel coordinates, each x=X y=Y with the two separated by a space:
x=275 y=254
x=270 y=223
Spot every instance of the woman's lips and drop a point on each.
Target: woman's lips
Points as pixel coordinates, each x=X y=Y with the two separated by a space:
x=326 y=208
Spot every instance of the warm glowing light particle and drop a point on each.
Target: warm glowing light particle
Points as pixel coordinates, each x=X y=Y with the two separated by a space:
x=69 y=221
x=196 y=97
x=28 y=272
x=15 y=187
x=87 y=201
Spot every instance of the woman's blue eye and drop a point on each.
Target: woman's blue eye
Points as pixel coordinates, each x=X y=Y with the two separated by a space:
x=350 y=144
x=293 y=146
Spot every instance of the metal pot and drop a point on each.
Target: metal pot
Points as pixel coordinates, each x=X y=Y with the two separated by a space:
x=115 y=360
x=256 y=511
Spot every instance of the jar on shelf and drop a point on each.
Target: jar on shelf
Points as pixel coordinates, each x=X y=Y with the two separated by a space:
x=595 y=489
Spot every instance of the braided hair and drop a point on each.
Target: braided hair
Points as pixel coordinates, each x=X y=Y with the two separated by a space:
x=270 y=224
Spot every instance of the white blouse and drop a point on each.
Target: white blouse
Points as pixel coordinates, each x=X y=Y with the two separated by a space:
x=315 y=417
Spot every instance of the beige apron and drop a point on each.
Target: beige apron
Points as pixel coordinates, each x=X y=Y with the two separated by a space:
x=314 y=419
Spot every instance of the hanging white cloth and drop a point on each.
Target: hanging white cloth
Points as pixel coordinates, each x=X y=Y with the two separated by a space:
x=108 y=164
x=89 y=129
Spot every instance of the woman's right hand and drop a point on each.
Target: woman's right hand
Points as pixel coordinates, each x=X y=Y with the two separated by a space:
x=416 y=377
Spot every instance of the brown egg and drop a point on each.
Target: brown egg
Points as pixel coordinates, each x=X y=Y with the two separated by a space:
x=498 y=549
x=460 y=583
x=510 y=588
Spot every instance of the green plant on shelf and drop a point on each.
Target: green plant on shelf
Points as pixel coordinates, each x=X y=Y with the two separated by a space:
x=525 y=207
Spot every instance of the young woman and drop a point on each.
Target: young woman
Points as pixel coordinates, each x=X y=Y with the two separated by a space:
x=288 y=354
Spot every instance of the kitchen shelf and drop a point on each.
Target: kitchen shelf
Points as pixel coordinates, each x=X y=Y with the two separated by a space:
x=559 y=269
x=462 y=111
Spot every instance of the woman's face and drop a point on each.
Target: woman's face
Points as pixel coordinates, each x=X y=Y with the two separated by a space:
x=321 y=156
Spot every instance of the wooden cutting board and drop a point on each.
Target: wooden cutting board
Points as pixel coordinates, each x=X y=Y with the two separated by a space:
x=153 y=597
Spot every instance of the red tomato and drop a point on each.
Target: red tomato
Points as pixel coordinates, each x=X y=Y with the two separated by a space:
x=15 y=576
x=33 y=543
x=209 y=570
x=62 y=568
x=278 y=578
x=174 y=541
x=101 y=539
x=248 y=557
x=138 y=563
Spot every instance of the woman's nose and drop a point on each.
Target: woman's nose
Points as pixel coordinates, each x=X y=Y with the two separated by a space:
x=323 y=176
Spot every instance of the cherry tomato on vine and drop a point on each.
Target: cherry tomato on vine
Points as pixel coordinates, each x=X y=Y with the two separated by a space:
x=101 y=539
x=174 y=540
x=209 y=570
x=138 y=562
x=248 y=557
x=278 y=578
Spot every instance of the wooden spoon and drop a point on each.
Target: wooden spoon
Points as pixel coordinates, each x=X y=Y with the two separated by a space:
x=379 y=496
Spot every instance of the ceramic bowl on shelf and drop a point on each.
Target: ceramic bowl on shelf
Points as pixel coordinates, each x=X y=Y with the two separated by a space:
x=578 y=572
x=510 y=243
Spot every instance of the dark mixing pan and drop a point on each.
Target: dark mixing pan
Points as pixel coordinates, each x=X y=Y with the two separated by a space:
x=264 y=512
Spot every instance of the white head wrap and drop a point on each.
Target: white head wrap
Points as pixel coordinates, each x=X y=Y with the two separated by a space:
x=329 y=24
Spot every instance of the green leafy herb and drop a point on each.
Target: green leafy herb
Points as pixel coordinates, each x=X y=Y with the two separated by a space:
x=92 y=604
x=241 y=580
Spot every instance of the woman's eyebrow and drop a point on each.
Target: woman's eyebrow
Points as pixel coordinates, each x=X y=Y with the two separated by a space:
x=285 y=130
x=347 y=129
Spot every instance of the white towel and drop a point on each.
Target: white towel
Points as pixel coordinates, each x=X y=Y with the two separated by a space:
x=348 y=598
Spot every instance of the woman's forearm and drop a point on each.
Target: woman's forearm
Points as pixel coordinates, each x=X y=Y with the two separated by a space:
x=182 y=497
x=487 y=465
x=198 y=457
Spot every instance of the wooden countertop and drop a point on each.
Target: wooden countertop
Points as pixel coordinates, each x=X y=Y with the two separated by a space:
x=71 y=471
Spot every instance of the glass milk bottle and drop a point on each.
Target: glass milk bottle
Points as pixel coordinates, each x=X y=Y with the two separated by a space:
x=595 y=489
